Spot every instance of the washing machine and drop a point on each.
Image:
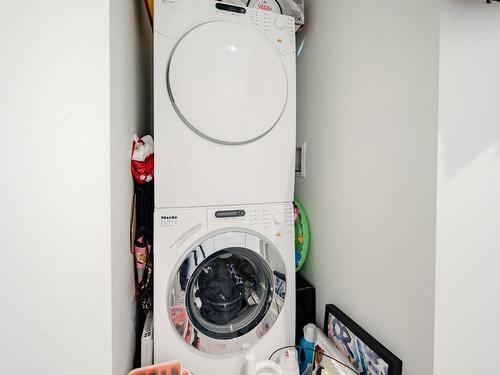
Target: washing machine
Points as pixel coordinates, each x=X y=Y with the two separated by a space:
x=224 y=285
x=224 y=104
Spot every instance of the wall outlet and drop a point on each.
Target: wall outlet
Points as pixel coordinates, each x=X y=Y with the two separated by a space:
x=300 y=161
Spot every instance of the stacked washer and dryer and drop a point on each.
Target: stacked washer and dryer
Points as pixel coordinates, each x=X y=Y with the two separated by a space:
x=224 y=104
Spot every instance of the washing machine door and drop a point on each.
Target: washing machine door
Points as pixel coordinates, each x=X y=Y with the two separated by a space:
x=227 y=292
x=227 y=82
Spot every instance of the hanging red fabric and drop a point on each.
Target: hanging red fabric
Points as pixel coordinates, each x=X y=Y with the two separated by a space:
x=142 y=159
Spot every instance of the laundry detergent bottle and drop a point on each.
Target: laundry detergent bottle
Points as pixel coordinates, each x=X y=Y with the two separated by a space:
x=306 y=350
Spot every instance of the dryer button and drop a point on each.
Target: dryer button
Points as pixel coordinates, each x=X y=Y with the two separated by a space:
x=279 y=23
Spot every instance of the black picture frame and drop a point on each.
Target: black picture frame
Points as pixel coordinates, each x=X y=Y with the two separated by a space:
x=395 y=365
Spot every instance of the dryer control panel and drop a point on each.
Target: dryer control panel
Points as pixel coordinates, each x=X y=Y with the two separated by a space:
x=176 y=17
x=279 y=29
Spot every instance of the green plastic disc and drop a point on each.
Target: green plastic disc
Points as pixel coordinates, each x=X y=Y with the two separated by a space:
x=301 y=235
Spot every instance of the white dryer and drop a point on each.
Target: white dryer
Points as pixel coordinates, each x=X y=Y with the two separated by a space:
x=224 y=285
x=224 y=104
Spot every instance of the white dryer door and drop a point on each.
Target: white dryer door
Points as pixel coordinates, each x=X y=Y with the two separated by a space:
x=227 y=292
x=227 y=82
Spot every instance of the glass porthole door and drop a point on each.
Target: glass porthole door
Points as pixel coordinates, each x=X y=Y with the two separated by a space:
x=227 y=292
x=227 y=82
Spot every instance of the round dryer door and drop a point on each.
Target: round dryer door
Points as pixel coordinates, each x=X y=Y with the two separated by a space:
x=227 y=292
x=227 y=82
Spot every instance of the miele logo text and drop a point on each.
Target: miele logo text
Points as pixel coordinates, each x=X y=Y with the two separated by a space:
x=169 y=217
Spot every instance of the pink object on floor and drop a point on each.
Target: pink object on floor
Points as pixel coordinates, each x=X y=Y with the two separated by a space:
x=166 y=368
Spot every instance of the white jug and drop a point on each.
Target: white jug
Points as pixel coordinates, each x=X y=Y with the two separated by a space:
x=252 y=367
x=288 y=362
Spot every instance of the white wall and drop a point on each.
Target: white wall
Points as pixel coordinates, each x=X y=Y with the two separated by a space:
x=54 y=126
x=468 y=227
x=131 y=105
x=64 y=221
x=367 y=107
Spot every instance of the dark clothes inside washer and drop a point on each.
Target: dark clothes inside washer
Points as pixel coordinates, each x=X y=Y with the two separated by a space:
x=225 y=288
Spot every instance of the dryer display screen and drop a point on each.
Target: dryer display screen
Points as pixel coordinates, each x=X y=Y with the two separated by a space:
x=230 y=8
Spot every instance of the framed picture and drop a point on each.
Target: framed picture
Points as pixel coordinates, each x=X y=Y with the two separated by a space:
x=325 y=350
x=365 y=354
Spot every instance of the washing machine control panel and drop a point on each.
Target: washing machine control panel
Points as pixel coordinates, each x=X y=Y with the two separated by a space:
x=265 y=217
